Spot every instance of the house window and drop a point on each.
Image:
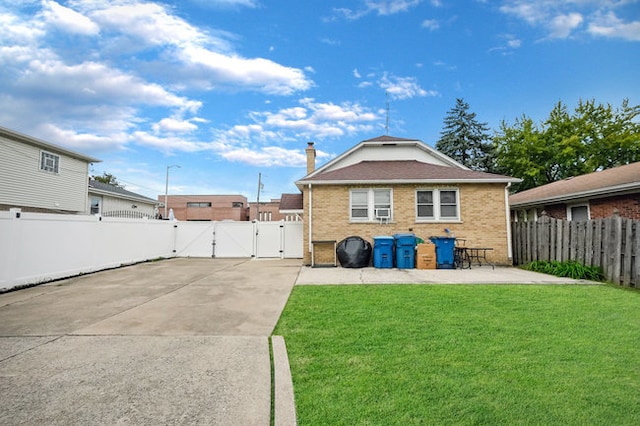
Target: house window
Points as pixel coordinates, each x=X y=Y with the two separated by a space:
x=196 y=204
x=578 y=212
x=49 y=162
x=370 y=204
x=237 y=204
x=95 y=205
x=437 y=205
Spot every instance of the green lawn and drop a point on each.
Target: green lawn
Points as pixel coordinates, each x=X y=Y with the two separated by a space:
x=464 y=354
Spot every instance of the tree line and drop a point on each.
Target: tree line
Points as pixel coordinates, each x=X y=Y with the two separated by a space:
x=592 y=137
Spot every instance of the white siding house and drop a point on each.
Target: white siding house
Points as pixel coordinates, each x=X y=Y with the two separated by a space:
x=39 y=176
x=114 y=201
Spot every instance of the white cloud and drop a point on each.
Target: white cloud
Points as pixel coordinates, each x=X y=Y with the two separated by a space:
x=562 y=26
x=356 y=74
x=15 y=30
x=82 y=141
x=390 y=7
x=258 y=74
x=379 y=7
x=562 y=19
x=430 y=24
x=228 y=3
x=207 y=58
x=174 y=125
x=609 y=25
x=68 y=20
x=403 y=87
x=514 y=43
x=167 y=144
x=269 y=156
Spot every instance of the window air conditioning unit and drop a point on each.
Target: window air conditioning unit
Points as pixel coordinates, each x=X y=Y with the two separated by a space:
x=383 y=213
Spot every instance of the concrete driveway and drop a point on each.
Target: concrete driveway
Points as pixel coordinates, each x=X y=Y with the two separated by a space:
x=180 y=341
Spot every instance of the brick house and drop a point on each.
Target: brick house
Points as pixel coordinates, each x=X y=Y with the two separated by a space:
x=207 y=207
x=390 y=185
x=591 y=196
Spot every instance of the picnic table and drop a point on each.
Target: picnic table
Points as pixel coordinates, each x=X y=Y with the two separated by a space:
x=465 y=257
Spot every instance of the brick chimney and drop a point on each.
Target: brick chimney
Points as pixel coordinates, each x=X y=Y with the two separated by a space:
x=311 y=157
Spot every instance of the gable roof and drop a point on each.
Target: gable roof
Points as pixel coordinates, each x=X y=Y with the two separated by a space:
x=403 y=171
x=389 y=159
x=597 y=184
x=384 y=147
x=102 y=188
x=38 y=143
x=291 y=202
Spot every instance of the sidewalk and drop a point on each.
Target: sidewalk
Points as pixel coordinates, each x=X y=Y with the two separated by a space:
x=476 y=275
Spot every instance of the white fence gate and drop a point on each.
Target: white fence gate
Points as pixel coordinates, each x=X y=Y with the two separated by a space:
x=240 y=239
x=40 y=247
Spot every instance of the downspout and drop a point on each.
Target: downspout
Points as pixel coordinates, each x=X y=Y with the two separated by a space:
x=310 y=218
x=508 y=217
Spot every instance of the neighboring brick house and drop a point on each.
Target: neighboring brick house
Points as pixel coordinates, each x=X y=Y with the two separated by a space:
x=288 y=208
x=207 y=207
x=591 y=196
x=389 y=185
x=267 y=211
x=291 y=207
x=38 y=176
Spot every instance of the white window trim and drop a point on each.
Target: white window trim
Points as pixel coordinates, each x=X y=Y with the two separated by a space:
x=371 y=214
x=436 y=206
x=571 y=206
x=42 y=154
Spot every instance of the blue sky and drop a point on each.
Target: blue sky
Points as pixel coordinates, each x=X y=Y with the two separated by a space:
x=228 y=89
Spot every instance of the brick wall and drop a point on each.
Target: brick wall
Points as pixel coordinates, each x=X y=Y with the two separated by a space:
x=222 y=207
x=558 y=211
x=482 y=208
x=628 y=206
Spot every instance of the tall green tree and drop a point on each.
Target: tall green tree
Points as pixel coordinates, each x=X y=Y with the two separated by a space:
x=593 y=137
x=109 y=179
x=465 y=139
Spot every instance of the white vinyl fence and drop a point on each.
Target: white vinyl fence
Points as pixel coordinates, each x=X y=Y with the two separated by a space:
x=240 y=239
x=38 y=247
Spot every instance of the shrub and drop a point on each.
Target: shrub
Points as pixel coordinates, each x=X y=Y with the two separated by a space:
x=570 y=269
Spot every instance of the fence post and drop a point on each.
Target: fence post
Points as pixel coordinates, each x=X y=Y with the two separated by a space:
x=614 y=246
x=628 y=243
x=543 y=236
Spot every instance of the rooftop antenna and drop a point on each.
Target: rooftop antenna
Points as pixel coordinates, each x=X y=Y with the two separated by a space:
x=386 y=126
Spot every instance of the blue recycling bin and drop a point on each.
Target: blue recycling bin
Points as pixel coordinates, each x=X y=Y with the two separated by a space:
x=405 y=245
x=445 y=247
x=383 y=252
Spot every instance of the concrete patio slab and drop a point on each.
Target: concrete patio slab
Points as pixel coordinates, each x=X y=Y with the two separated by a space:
x=476 y=275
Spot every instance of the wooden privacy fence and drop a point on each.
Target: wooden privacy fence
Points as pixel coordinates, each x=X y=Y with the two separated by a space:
x=612 y=243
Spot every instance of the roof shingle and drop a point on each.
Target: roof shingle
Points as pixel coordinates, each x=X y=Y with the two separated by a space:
x=291 y=202
x=602 y=182
x=403 y=170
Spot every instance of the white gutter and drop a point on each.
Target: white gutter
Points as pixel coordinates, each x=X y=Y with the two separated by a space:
x=412 y=181
x=310 y=218
x=508 y=217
